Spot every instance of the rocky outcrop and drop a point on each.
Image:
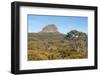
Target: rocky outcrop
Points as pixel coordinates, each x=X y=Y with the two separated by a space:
x=50 y=28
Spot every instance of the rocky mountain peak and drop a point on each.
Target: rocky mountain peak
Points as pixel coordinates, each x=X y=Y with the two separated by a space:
x=50 y=28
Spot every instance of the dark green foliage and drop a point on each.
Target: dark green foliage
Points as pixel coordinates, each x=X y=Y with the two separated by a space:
x=74 y=34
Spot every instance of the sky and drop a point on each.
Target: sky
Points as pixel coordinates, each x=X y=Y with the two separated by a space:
x=64 y=23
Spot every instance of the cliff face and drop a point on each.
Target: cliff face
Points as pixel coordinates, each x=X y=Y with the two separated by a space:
x=50 y=28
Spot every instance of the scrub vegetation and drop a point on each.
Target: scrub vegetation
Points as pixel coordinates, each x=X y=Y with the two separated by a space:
x=55 y=45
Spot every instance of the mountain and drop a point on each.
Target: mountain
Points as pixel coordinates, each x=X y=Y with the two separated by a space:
x=50 y=28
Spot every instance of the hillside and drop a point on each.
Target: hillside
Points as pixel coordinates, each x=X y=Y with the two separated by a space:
x=49 y=44
x=54 y=45
x=46 y=36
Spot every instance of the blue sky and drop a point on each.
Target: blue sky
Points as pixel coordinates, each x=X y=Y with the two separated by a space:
x=63 y=23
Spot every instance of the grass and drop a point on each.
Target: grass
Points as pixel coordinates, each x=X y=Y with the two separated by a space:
x=50 y=55
x=50 y=46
